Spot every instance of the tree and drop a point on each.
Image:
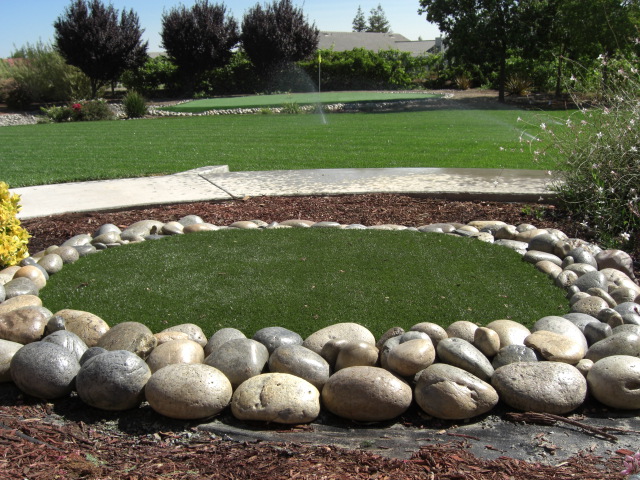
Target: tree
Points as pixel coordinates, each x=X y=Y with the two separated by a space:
x=359 y=22
x=198 y=39
x=277 y=35
x=89 y=36
x=482 y=32
x=378 y=21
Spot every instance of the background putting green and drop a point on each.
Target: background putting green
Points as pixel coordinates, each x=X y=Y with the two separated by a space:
x=304 y=280
x=278 y=100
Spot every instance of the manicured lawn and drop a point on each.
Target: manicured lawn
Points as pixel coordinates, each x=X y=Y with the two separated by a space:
x=277 y=100
x=55 y=153
x=304 y=280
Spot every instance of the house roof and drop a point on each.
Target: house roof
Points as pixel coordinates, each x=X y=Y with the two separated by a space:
x=344 y=41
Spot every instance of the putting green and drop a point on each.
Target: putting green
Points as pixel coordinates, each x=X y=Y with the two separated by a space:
x=304 y=280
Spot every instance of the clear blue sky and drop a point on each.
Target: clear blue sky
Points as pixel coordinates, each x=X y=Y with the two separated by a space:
x=30 y=21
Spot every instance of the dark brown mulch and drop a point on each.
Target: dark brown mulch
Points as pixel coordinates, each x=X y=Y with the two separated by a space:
x=34 y=449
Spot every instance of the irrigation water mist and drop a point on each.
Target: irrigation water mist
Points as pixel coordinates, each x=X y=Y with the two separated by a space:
x=292 y=78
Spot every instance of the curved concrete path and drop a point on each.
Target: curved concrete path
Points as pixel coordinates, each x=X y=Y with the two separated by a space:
x=218 y=183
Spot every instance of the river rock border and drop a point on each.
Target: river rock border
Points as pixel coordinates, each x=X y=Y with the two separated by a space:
x=452 y=374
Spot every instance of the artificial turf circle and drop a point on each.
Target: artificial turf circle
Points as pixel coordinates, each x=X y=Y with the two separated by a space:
x=304 y=280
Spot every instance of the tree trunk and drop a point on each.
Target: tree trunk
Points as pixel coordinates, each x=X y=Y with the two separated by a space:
x=502 y=78
x=559 y=72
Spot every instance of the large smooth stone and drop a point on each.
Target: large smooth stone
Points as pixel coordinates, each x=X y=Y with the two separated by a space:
x=114 y=380
x=164 y=337
x=301 y=362
x=435 y=331
x=52 y=263
x=68 y=340
x=462 y=354
x=366 y=394
x=331 y=350
x=194 y=332
x=546 y=387
x=239 y=359
x=448 y=392
x=561 y=326
x=24 y=325
x=175 y=351
x=188 y=392
x=274 y=337
x=7 y=350
x=462 y=329
x=132 y=336
x=20 y=286
x=510 y=332
x=589 y=306
x=410 y=357
x=89 y=327
x=487 y=341
x=513 y=354
x=44 y=370
x=352 y=332
x=620 y=343
x=630 y=312
x=617 y=259
x=21 y=301
x=392 y=332
x=555 y=347
x=141 y=229
x=34 y=274
x=615 y=381
x=352 y=354
x=67 y=253
x=221 y=337
x=77 y=240
x=276 y=397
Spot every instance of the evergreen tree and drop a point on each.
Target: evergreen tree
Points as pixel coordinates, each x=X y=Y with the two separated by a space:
x=359 y=22
x=378 y=21
x=90 y=36
x=198 y=39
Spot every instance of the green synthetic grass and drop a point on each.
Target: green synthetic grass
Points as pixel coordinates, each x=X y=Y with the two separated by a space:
x=304 y=280
x=278 y=100
x=56 y=153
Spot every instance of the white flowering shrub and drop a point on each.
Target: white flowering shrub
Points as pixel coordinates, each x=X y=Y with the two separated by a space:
x=598 y=156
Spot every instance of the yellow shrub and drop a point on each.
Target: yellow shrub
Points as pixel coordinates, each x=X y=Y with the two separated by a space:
x=13 y=238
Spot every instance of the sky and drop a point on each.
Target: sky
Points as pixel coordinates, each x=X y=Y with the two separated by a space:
x=31 y=21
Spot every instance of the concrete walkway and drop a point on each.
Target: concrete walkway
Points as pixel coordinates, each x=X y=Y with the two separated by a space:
x=218 y=183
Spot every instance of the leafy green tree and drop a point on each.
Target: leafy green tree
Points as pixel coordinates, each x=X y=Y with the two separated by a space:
x=481 y=32
x=359 y=22
x=198 y=39
x=277 y=35
x=378 y=21
x=90 y=36
x=582 y=30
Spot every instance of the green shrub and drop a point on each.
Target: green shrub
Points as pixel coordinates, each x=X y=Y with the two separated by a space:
x=518 y=85
x=597 y=151
x=58 y=114
x=17 y=95
x=157 y=75
x=13 y=237
x=362 y=69
x=463 y=82
x=44 y=74
x=292 y=108
x=92 y=110
x=134 y=105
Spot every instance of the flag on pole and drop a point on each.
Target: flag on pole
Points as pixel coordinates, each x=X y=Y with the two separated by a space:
x=319 y=57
